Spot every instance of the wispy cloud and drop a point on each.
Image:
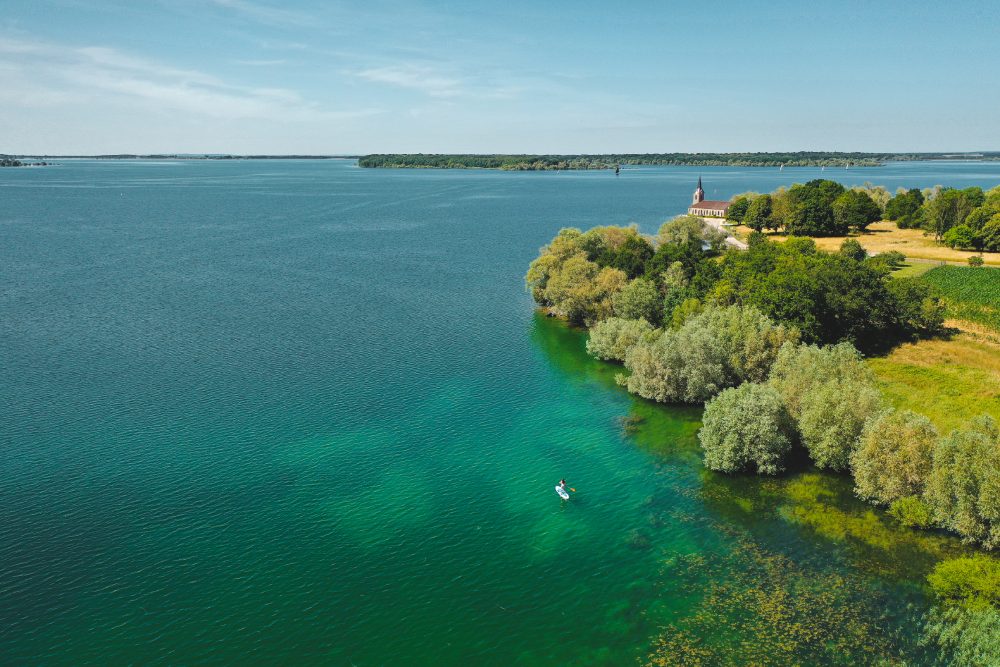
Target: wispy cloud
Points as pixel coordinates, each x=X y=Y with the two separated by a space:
x=266 y=13
x=41 y=73
x=415 y=77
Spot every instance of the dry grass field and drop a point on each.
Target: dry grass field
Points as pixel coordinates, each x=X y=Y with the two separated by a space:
x=884 y=236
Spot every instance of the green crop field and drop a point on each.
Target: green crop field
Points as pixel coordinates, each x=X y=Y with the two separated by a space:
x=971 y=294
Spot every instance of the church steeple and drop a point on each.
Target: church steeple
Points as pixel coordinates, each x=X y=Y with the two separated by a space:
x=699 y=194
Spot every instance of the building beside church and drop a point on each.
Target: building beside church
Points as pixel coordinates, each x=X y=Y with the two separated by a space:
x=706 y=207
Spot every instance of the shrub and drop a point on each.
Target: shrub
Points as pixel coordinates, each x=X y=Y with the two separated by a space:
x=976 y=260
x=851 y=248
x=639 y=299
x=893 y=458
x=611 y=339
x=964 y=486
x=911 y=512
x=745 y=428
x=973 y=581
x=799 y=370
x=832 y=418
x=964 y=636
x=712 y=350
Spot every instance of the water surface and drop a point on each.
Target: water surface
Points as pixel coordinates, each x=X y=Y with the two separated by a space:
x=302 y=412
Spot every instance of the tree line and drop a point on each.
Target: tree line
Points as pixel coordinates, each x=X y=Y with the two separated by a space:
x=967 y=219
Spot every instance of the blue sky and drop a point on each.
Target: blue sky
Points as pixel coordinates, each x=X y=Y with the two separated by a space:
x=263 y=76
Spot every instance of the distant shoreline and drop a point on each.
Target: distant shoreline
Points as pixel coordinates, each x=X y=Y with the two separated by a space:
x=529 y=162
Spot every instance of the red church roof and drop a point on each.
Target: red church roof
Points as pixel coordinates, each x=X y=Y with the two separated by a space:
x=712 y=205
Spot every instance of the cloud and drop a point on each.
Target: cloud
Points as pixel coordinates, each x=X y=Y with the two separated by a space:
x=45 y=74
x=414 y=77
x=266 y=13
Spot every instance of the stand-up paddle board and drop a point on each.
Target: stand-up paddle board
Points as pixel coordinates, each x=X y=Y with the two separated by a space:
x=562 y=493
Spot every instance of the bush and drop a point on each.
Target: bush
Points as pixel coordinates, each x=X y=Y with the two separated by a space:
x=911 y=512
x=745 y=428
x=611 y=339
x=799 y=370
x=639 y=299
x=973 y=581
x=976 y=260
x=851 y=248
x=964 y=486
x=712 y=350
x=832 y=418
x=964 y=636
x=893 y=458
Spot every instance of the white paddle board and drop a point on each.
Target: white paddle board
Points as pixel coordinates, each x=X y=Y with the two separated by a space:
x=562 y=493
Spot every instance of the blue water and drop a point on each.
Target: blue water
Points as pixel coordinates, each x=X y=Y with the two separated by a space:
x=301 y=412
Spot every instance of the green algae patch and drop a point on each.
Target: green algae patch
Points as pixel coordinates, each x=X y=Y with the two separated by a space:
x=753 y=606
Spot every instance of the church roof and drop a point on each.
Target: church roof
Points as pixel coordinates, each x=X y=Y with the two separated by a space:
x=713 y=205
x=699 y=183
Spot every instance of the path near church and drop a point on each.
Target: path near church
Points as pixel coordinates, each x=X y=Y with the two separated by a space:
x=730 y=239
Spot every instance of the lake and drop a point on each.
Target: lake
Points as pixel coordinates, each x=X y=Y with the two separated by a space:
x=298 y=412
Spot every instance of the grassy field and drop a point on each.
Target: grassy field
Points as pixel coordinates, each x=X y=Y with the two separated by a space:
x=885 y=235
x=953 y=380
x=950 y=381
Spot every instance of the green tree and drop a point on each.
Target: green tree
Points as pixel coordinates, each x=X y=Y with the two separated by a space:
x=832 y=418
x=684 y=229
x=973 y=581
x=905 y=203
x=611 y=339
x=855 y=210
x=738 y=209
x=758 y=214
x=960 y=236
x=947 y=210
x=639 y=299
x=712 y=350
x=851 y=248
x=746 y=428
x=893 y=457
x=799 y=370
x=964 y=486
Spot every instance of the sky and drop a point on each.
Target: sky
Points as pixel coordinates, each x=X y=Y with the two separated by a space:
x=548 y=76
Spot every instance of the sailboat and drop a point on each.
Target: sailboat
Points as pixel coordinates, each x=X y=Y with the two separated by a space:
x=781 y=167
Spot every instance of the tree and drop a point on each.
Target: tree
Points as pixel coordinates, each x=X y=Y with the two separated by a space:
x=738 y=209
x=758 y=214
x=745 y=428
x=905 y=203
x=639 y=299
x=855 y=210
x=611 y=339
x=799 y=370
x=988 y=238
x=893 y=458
x=630 y=256
x=832 y=418
x=960 y=236
x=581 y=291
x=947 y=210
x=712 y=350
x=851 y=248
x=811 y=209
x=963 y=490
x=684 y=229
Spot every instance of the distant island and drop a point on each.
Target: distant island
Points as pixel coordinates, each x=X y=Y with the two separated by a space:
x=9 y=161
x=610 y=161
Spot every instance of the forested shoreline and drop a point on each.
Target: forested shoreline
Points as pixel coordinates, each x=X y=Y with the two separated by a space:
x=531 y=162
x=772 y=340
x=966 y=219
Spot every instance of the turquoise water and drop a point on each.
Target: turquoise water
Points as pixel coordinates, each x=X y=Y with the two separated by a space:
x=301 y=412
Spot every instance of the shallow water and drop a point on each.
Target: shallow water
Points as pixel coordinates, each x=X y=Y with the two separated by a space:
x=304 y=412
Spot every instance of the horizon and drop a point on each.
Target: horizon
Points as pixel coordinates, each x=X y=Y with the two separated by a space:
x=249 y=77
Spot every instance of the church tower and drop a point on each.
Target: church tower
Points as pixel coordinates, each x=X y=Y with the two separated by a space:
x=699 y=194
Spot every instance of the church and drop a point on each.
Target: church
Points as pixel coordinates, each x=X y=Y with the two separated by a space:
x=706 y=207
